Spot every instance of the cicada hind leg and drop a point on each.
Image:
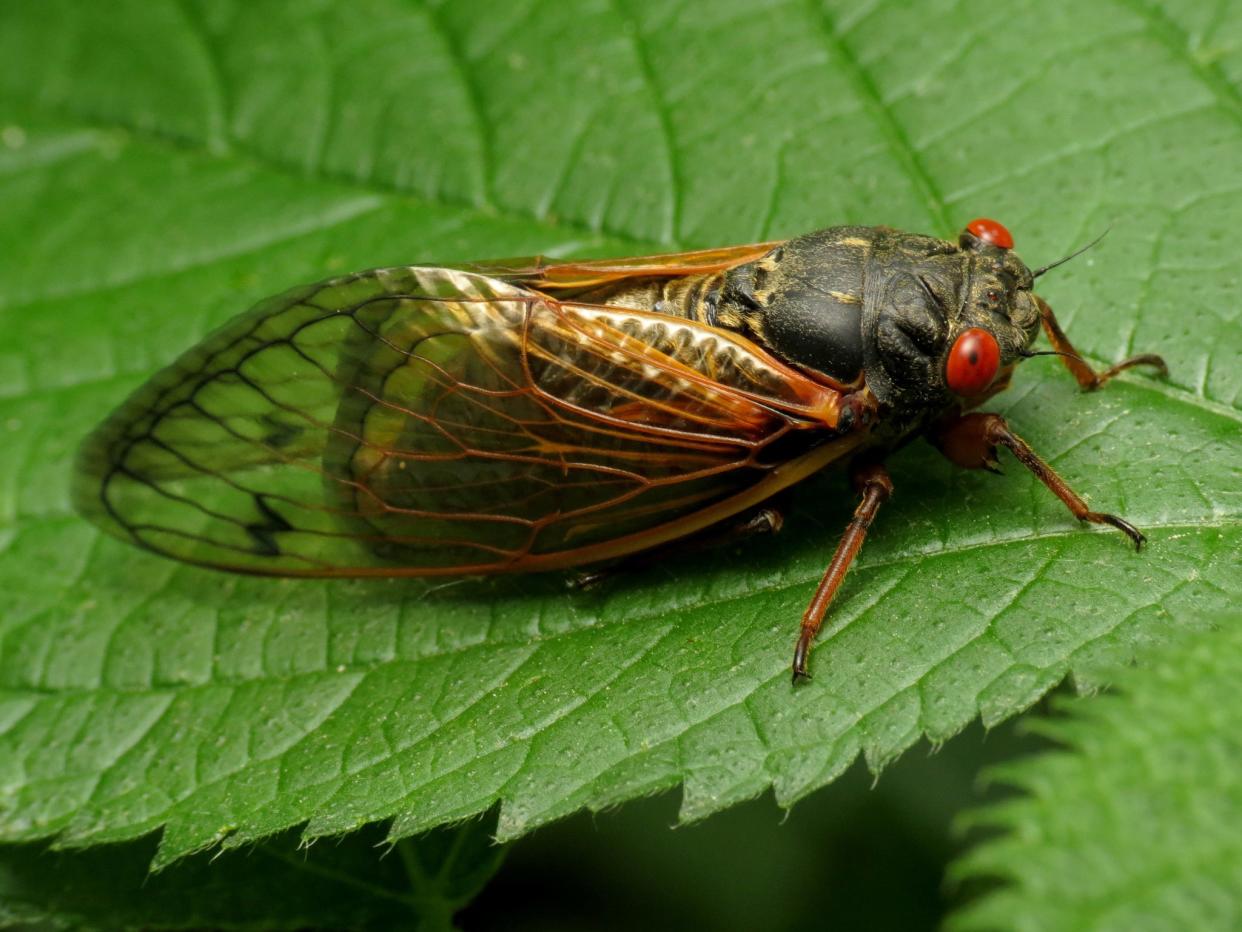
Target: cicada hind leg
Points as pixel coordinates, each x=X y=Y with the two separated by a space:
x=873 y=484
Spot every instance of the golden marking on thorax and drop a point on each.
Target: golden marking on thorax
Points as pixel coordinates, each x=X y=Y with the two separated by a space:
x=846 y=297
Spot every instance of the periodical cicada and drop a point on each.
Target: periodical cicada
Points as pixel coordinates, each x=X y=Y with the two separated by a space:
x=541 y=415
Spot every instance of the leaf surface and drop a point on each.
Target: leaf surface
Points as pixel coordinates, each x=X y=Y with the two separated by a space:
x=165 y=165
x=1137 y=822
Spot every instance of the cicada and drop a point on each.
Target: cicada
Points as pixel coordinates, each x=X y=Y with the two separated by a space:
x=536 y=415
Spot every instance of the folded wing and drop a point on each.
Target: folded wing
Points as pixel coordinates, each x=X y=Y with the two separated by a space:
x=421 y=420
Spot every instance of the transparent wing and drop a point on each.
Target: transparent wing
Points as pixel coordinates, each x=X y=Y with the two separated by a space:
x=428 y=420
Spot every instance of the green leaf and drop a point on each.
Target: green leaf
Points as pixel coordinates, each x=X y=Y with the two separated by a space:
x=1138 y=822
x=357 y=882
x=164 y=165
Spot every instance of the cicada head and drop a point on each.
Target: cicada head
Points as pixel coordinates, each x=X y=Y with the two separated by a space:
x=999 y=315
x=945 y=323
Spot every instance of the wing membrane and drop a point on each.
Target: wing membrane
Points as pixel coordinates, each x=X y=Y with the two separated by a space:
x=428 y=420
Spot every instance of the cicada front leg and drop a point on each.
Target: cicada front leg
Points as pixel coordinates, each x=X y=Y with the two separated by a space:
x=971 y=441
x=873 y=484
x=1087 y=377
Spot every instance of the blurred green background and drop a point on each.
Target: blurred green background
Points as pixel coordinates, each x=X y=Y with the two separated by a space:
x=863 y=853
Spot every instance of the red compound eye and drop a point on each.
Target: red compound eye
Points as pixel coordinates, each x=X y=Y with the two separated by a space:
x=972 y=362
x=991 y=232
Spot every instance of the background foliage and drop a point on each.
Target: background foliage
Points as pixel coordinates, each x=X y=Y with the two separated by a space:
x=164 y=165
x=1137 y=823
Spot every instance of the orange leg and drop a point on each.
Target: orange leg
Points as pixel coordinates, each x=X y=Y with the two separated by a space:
x=873 y=483
x=1087 y=377
x=971 y=441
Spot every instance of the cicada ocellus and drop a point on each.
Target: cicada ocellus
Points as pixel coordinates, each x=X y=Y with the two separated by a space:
x=535 y=416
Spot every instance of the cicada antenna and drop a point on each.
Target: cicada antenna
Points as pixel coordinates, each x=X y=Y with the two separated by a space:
x=1073 y=255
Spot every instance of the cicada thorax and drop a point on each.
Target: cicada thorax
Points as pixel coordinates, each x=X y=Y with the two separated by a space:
x=805 y=301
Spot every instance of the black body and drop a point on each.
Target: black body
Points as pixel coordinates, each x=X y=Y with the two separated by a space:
x=876 y=305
